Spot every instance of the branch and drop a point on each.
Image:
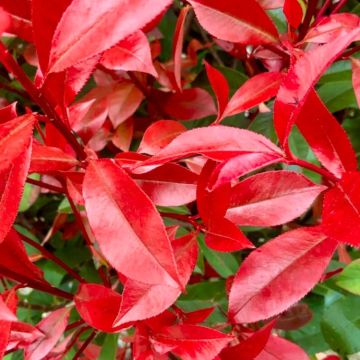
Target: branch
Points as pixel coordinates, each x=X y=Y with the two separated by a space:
x=13 y=67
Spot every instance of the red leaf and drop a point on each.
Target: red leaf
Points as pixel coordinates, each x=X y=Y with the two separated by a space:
x=130 y=54
x=220 y=87
x=226 y=20
x=169 y=185
x=15 y=263
x=256 y=90
x=142 y=301
x=333 y=148
x=5 y=313
x=83 y=33
x=341 y=213
x=98 y=306
x=197 y=316
x=356 y=78
x=293 y=12
x=20 y=8
x=191 y=104
x=251 y=347
x=8 y=113
x=160 y=134
x=264 y=284
x=45 y=18
x=271 y=198
x=178 y=42
x=15 y=137
x=4 y=20
x=215 y=142
x=53 y=326
x=12 y=181
x=127 y=225
x=301 y=78
x=271 y=4
x=123 y=135
x=221 y=234
x=193 y=342
x=46 y=159
x=278 y=348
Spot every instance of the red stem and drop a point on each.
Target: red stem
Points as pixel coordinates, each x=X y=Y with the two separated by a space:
x=310 y=12
x=74 y=339
x=47 y=254
x=339 y=6
x=323 y=10
x=44 y=185
x=306 y=165
x=85 y=345
x=13 y=67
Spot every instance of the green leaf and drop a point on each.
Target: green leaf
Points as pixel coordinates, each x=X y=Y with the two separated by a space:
x=224 y=264
x=349 y=279
x=109 y=348
x=203 y=295
x=341 y=325
x=29 y=194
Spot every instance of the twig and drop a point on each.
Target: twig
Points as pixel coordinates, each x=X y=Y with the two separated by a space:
x=47 y=254
x=339 y=6
x=13 y=67
x=85 y=345
x=310 y=12
x=44 y=185
x=211 y=48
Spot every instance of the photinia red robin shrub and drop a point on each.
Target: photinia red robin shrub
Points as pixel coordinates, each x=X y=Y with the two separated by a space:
x=179 y=179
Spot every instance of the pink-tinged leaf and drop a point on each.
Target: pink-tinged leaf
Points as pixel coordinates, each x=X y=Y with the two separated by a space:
x=15 y=263
x=191 y=104
x=333 y=148
x=178 y=41
x=341 y=213
x=98 y=306
x=142 y=301
x=220 y=87
x=12 y=181
x=53 y=327
x=226 y=20
x=45 y=159
x=15 y=137
x=278 y=348
x=256 y=90
x=83 y=32
x=243 y=164
x=192 y=342
x=123 y=102
x=45 y=18
x=264 y=284
x=271 y=198
x=293 y=12
x=130 y=54
x=332 y=26
x=215 y=142
x=127 y=225
x=5 y=313
x=5 y=21
x=160 y=134
x=8 y=113
x=301 y=78
x=271 y=4
x=169 y=185
x=186 y=254
x=356 y=78
x=123 y=135
x=250 y=347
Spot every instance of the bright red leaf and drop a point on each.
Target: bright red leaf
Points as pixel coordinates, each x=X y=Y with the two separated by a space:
x=109 y=190
x=264 y=284
x=271 y=198
x=226 y=20
x=293 y=12
x=83 y=33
